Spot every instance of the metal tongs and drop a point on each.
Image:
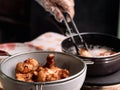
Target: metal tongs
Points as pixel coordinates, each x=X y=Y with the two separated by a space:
x=71 y=34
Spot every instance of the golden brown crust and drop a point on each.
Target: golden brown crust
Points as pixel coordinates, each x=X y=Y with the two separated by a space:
x=31 y=71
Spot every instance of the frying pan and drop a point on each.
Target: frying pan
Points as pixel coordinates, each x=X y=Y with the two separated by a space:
x=101 y=66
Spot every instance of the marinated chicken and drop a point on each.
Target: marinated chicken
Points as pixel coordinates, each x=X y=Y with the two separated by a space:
x=31 y=71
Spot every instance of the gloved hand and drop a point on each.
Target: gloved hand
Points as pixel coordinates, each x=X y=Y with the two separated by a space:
x=56 y=7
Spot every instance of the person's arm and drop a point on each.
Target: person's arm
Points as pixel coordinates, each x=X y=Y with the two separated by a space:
x=56 y=7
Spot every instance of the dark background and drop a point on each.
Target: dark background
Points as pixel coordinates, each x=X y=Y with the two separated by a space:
x=24 y=20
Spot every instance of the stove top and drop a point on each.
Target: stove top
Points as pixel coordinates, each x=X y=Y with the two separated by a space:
x=108 y=82
x=111 y=79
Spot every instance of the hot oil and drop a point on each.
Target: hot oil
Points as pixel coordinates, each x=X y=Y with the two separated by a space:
x=95 y=50
x=98 y=51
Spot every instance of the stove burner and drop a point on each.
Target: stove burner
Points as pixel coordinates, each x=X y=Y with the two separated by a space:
x=111 y=79
x=109 y=82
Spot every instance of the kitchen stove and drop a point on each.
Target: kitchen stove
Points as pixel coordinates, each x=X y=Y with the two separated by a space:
x=108 y=82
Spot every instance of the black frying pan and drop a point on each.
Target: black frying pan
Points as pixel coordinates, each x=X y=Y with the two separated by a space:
x=102 y=65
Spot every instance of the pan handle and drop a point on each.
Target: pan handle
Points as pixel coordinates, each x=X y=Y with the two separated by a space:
x=88 y=62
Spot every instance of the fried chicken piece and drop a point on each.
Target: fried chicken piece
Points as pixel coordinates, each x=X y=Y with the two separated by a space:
x=27 y=66
x=84 y=53
x=31 y=71
x=50 y=61
x=24 y=77
x=50 y=72
x=25 y=70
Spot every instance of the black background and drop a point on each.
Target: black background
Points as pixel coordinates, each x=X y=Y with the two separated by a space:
x=90 y=16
